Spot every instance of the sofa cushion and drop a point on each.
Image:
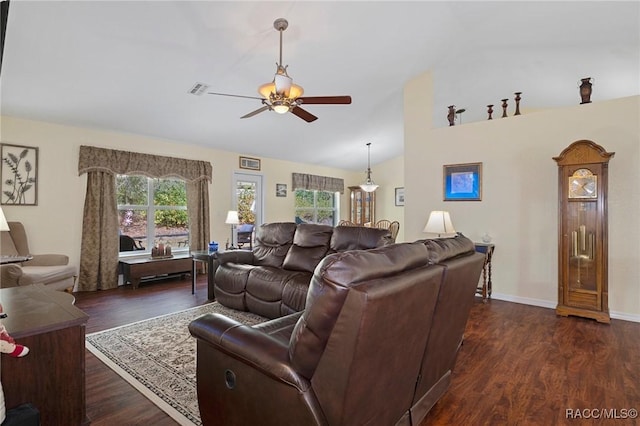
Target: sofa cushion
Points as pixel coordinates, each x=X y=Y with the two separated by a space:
x=272 y=243
x=46 y=274
x=329 y=287
x=310 y=245
x=442 y=249
x=358 y=238
x=264 y=289
x=280 y=328
x=231 y=283
x=294 y=294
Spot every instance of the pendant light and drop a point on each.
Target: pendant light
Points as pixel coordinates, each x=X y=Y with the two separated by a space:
x=369 y=185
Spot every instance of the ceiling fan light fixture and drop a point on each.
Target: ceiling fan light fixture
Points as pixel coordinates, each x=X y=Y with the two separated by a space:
x=281 y=94
x=295 y=91
x=267 y=89
x=281 y=109
x=282 y=84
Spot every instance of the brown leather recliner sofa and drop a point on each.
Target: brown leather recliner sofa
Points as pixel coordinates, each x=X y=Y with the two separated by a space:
x=272 y=279
x=375 y=345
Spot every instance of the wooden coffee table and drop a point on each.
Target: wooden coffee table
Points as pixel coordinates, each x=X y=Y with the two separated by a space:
x=135 y=269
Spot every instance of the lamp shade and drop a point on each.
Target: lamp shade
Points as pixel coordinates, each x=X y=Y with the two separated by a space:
x=369 y=186
x=4 y=226
x=439 y=224
x=232 y=218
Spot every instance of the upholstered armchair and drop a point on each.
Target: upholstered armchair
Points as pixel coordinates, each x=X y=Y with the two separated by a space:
x=52 y=270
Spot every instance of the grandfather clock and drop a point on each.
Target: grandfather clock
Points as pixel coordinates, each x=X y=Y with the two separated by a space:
x=582 y=231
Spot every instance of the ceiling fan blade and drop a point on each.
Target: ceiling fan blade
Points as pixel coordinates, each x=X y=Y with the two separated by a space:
x=235 y=96
x=305 y=115
x=325 y=99
x=258 y=111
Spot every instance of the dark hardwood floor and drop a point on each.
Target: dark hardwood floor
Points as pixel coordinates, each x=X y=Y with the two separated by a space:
x=519 y=364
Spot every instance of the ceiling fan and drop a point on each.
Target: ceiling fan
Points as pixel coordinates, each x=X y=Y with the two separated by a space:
x=282 y=95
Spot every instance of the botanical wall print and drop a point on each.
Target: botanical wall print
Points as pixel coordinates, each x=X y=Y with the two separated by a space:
x=19 y=171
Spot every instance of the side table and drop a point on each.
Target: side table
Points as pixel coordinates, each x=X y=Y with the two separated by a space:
x=485 y=288
x=207 y=258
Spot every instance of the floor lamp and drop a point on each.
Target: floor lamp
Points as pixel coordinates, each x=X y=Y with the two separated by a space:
x=233 y=220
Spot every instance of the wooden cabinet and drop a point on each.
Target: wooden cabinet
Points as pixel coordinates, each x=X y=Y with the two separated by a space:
x=51 y=376
x=582 y=224
x=362 y=206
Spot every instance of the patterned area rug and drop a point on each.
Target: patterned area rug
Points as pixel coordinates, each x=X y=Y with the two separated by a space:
x=158 y=357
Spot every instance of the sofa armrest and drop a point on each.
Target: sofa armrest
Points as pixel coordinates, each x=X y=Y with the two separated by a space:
x=248 y=345
x=48 y=260
x=235 y=256
x=10 y=275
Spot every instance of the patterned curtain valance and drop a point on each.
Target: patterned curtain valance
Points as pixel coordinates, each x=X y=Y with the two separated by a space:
x=317 y=183
x=155 y=166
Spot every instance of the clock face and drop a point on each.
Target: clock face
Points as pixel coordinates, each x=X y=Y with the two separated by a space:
x=583 y=184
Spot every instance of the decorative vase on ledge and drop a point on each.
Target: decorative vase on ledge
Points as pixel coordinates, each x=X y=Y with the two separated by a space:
x=504 y=107
x=585 y=90
x=451 y=116
x=517 y=99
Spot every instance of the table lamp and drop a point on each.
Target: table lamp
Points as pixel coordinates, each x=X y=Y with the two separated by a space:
x=439 y=225
x=233 y=220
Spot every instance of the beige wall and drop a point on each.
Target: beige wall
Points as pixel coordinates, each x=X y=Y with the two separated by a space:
x=519 y=201
x=389 y=175
x=55 y=224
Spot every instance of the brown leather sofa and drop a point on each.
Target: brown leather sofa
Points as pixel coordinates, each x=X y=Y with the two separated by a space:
x=272 y=279
x=375 y=345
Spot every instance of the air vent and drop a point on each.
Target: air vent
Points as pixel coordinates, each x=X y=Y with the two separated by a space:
x=198 y=89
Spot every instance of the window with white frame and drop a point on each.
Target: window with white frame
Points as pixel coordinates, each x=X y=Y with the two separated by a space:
x=317 y=207
x=165 y=200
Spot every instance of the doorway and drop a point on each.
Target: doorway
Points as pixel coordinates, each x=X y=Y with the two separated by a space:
x=248 y=201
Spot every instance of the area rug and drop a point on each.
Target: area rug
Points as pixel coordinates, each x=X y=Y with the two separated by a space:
x=158 y=357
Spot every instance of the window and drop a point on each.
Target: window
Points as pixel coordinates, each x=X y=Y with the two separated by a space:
x=317 y=207
x=164 y=200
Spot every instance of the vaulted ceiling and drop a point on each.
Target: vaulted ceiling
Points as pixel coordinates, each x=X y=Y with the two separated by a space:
x=128 y=66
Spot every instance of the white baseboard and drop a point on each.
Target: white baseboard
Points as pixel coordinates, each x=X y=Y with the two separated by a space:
x=552 y=305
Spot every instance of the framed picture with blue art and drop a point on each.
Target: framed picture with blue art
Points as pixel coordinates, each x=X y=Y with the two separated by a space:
x=462 y=182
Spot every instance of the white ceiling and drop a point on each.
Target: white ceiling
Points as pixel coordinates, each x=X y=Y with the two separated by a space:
x=127 y=66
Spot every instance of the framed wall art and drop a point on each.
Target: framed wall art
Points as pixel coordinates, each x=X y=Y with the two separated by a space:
x=281 y=189
x=400 y=196
x=19 y=172
x=462 y=182
x=249 y=163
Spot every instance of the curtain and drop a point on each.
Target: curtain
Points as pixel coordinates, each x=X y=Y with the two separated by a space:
x=99 y=254
x=99 y=250
x=198 y=208
x=317 y=183
x=134 y=163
